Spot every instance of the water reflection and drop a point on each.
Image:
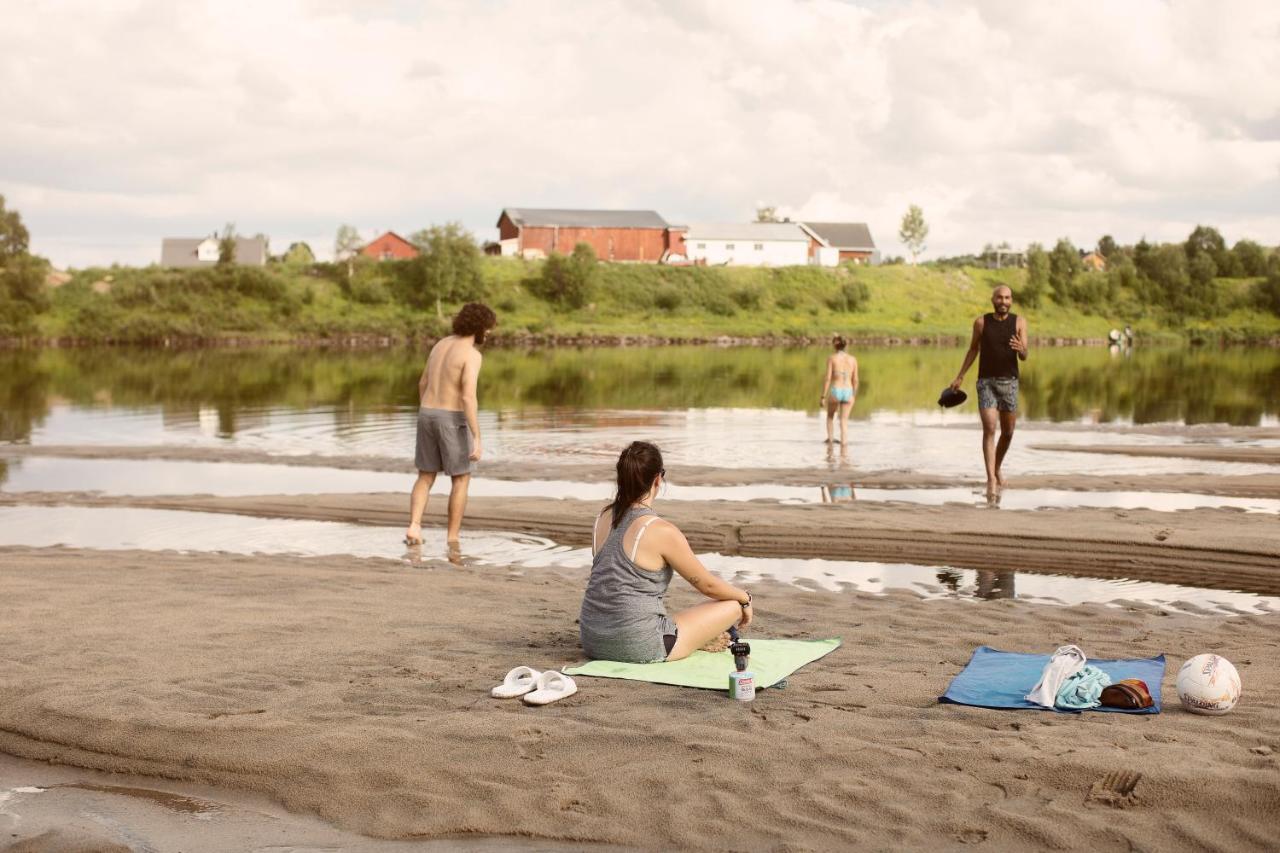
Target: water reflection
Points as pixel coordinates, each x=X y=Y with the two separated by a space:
x=227 y=387
x=119 y=528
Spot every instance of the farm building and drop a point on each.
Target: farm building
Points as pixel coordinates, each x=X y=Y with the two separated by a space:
x=390 y=247
x=203 y=251
x=832 y=243
x=750 y=244
x=616 y=235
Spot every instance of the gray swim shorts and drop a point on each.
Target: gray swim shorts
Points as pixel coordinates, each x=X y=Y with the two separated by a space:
x=444 y=442
x=998 y=392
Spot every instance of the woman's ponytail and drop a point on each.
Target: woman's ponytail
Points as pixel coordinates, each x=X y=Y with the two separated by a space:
x=638 y=466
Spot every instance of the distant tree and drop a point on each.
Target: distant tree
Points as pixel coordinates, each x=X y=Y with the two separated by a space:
x=914 y=231
x=1107 y=247
x=988 y=256
x=22 y=291
x=766 y=214
x=1206 y=240
x=1037 y=276
x=1250 y=257
x=568 y=281
x=299 y=255
x=448 y=268
x=345 y=246
x=14 y=238
x=1064 y=266
x=227 y=245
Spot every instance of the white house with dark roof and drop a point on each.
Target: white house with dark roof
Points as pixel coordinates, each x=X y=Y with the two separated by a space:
x=834 y=242
x=203 y=251
x=749 y=244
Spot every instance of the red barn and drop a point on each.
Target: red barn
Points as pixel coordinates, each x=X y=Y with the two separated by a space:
x=390 y=247
x=616 y=235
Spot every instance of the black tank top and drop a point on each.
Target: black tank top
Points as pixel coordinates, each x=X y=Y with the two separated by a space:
x=996 y=358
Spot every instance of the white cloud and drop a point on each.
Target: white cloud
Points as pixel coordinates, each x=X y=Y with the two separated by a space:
x=130 y=121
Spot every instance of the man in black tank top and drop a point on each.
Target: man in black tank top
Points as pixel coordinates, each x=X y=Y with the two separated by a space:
x=999 y=342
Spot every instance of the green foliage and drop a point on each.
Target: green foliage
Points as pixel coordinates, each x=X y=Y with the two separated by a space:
x=667 y=297
x=14 y=238
x=1108 y=248
x=1266 y=293
x=913 y=231
x=1250 y=258
x=448 y=269
x=1037 y=276
x=568 y=281
x=850 y=297
x=227 y=245
x=299 y=255
x=1205 y=241
x=747 y=297
x=1064 y=266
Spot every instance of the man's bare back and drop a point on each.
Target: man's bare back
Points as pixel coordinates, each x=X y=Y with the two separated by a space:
x=443 y=384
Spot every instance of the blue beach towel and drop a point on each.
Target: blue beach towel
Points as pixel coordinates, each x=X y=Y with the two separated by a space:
x=996 y=679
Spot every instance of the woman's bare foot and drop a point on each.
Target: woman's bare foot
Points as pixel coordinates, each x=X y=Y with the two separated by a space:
x=718 y=644
x=413 y=536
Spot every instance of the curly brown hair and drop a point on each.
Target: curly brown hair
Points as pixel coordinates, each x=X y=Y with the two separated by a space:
x=475 y=318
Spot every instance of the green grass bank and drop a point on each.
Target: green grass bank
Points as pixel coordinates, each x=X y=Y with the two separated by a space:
x=321 y=302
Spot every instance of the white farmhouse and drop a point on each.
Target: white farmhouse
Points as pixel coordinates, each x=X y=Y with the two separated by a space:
x=748 y=244
x=203 y=251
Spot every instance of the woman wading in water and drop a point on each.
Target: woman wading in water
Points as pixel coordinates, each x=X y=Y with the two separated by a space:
x=634 y=555
x=839 y=388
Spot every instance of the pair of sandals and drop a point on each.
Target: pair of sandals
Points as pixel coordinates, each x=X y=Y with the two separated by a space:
x=537 y=688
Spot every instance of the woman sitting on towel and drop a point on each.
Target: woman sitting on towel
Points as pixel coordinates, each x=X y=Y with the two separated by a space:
x=634 y=553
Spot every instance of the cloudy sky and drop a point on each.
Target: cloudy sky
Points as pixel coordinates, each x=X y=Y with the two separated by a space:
x=123 y=122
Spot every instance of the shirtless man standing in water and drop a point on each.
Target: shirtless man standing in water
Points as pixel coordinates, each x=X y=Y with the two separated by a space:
x=999 y=342
x=448 y=425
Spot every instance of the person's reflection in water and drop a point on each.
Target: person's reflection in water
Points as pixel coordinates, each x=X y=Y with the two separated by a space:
x=838 y=493
x=950 y=579
x=992 y=584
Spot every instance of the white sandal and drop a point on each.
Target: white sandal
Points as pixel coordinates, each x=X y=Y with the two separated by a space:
x=517 y=682
x=552 y=687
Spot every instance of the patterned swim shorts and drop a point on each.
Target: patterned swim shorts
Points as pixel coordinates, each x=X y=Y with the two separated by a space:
x=998 y=392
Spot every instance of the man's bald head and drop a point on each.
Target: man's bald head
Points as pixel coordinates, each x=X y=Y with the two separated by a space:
x=1002 y=300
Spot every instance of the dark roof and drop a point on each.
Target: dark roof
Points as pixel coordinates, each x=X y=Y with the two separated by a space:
x=550 y=217
x=850 y=236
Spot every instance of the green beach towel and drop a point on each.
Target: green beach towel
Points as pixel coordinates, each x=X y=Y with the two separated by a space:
x=771 y=661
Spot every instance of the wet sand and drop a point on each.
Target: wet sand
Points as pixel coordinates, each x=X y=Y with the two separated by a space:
x=1265 y=455
x=356 y=691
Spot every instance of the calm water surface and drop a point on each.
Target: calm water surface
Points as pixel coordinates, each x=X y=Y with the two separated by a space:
x=729 y=407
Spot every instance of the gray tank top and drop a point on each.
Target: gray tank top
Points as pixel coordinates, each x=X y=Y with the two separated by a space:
x=623 y=616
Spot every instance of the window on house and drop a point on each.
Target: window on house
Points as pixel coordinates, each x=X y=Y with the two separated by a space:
x=759 y=247
x=729 y=246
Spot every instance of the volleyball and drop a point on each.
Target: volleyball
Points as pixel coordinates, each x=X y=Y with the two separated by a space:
x=1208 y=684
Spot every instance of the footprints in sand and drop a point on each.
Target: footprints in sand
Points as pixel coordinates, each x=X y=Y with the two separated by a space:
x=1116 y=789
x=971 y=835
x=1164 y=534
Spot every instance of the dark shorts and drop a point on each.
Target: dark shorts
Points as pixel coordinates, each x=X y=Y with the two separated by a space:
x=998 y=392
x=444 y=442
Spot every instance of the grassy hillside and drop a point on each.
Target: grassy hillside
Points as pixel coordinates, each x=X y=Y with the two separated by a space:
x=319 y=302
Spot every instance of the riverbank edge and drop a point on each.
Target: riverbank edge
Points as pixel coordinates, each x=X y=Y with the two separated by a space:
x=534 y=341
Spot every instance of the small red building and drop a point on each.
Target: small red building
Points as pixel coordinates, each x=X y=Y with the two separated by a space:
x=616 y=235
x=390 y=247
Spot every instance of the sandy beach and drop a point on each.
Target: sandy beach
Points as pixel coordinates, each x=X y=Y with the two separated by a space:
x=356 y=690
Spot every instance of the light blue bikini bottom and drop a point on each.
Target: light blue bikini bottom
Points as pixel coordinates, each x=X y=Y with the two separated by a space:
x=842 y=395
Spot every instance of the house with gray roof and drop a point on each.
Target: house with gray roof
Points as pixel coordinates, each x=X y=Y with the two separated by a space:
x=615 y=235
x=836 y=242
x=185 y=252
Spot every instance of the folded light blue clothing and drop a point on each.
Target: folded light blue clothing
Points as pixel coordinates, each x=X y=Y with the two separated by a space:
x=1083 y=690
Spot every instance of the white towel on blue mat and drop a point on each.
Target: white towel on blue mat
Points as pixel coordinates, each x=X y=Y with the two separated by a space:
x=1066 y=662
